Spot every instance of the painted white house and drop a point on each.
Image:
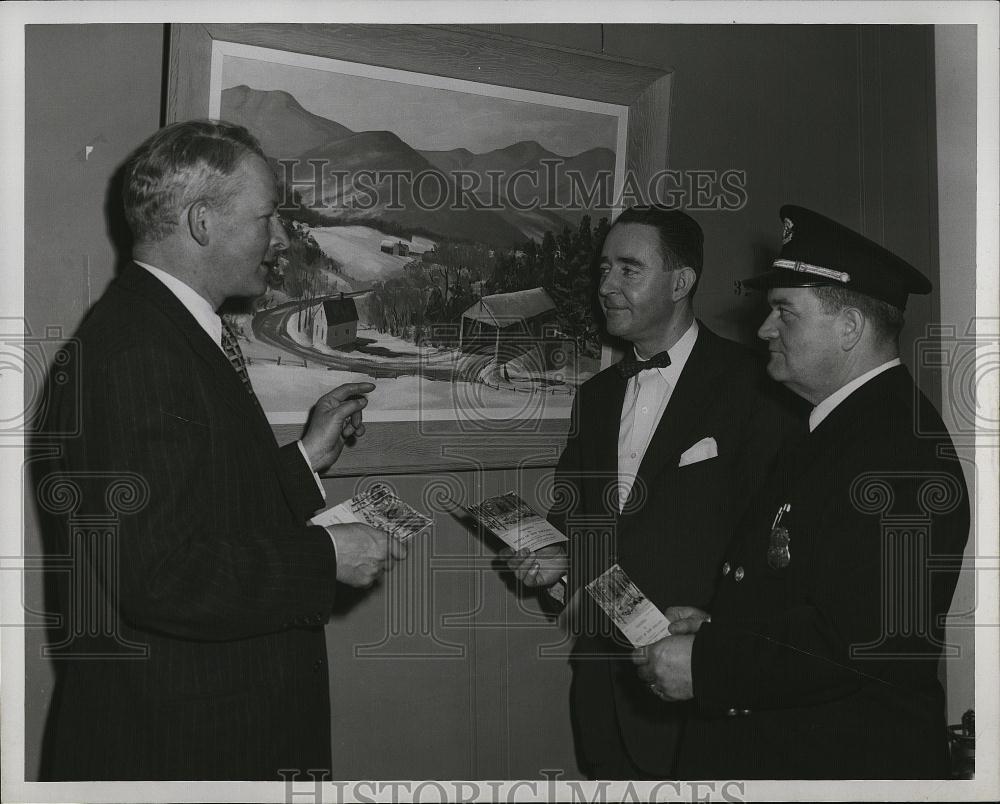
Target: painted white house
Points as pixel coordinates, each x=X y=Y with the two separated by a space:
x=336 y=322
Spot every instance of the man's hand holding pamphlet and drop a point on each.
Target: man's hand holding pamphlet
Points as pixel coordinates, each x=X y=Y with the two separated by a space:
x=534 y=548
x=629 y=609
x=515 y=523
x=368 y=531
x=380 y=508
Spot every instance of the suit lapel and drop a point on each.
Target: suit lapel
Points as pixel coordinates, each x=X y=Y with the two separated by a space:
x=685 y=409
x=231 y=391
x=227 y=382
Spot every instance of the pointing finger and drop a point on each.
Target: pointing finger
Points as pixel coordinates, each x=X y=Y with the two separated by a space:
x=351 y=389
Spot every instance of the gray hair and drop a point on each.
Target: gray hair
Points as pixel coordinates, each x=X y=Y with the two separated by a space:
x=180 y=164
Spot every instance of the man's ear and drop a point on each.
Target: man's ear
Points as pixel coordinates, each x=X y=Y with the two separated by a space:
x=852 y=327
x=684 y=282
x=198 y=216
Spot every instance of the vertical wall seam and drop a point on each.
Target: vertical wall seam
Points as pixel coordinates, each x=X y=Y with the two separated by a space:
x=861 y=129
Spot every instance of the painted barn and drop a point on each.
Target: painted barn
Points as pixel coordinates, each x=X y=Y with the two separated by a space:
x=508 y=324
x=396 y=247
x=336 y=322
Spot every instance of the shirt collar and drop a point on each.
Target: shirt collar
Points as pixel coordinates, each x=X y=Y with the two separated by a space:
x=679 y=354
x=193 y=302
x=825 y=408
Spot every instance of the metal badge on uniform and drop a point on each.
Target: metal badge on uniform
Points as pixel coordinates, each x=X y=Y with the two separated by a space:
x=778 y=553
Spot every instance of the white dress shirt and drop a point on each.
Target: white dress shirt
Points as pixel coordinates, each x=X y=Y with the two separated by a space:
x=825 y=408
x=203 y=312
x=646 y=397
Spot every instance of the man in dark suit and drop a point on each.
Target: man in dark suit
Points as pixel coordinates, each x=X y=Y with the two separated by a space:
x=213 y=587
x=665 y=449
x=820 y=657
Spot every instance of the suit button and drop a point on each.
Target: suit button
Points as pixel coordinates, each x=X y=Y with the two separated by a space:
x=745 y=712
x=318 y=665
x=738 y=575
x=725 y=569
x=731 y=713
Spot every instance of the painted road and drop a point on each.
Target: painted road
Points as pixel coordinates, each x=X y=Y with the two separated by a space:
x=271 y=326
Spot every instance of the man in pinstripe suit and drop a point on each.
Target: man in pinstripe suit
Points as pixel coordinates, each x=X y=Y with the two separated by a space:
x=218 y=590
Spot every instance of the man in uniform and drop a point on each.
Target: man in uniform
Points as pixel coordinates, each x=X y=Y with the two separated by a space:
x=666 y=448
x=820 y=657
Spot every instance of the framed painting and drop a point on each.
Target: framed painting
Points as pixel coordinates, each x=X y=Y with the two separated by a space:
x=442 y=190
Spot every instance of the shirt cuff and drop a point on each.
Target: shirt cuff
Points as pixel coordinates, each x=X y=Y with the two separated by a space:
x=319 y=483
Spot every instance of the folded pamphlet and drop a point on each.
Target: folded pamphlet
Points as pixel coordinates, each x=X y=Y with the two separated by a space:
x=515 y=523
x=380 y=508
x=629 y=609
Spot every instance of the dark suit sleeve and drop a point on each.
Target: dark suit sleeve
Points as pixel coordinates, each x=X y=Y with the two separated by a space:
x=567 y=501
x=567 y=489
x=194 y=560
x=304 y=496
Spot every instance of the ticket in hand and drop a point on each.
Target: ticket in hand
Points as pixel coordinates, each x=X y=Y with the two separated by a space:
x=380 y=508
x=629 y=609
x=515 y=522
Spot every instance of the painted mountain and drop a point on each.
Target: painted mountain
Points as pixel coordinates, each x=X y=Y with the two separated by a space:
x=507 y=211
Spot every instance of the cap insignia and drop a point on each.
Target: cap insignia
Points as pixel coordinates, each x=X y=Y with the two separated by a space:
x=786 y=232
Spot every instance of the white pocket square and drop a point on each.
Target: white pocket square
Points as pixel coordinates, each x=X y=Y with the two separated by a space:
x=702 y=451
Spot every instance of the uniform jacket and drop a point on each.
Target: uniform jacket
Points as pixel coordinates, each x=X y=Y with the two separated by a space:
x=823 y=662
x=673 y=530
x=217 y=590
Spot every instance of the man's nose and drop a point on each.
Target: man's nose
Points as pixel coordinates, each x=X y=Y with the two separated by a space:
x=767 y=329
x=607 y=284
x=279 y=237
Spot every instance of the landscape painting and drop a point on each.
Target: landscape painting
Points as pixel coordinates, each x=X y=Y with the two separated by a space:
x=441 y=237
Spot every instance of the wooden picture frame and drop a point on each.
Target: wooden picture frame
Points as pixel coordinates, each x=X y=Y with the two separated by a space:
x=452 y=52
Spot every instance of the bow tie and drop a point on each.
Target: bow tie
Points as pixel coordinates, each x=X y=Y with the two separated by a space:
x=629 y=367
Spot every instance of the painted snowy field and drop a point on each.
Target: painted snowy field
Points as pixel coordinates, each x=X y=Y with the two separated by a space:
x=290 y=391
x=357 y=249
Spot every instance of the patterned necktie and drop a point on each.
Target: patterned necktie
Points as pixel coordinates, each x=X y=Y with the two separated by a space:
x=630 y=366
x=231 y=346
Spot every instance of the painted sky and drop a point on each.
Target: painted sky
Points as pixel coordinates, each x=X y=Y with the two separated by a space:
x=426 y=118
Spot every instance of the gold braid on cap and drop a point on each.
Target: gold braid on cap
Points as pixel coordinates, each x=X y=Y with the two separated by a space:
x=806 y=268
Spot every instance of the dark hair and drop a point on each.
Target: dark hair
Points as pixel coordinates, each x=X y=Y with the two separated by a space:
x=682 y=242
x=887 y=319
x=180 y=164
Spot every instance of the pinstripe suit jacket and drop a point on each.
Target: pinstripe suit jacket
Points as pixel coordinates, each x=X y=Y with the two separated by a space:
x=214 y=574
